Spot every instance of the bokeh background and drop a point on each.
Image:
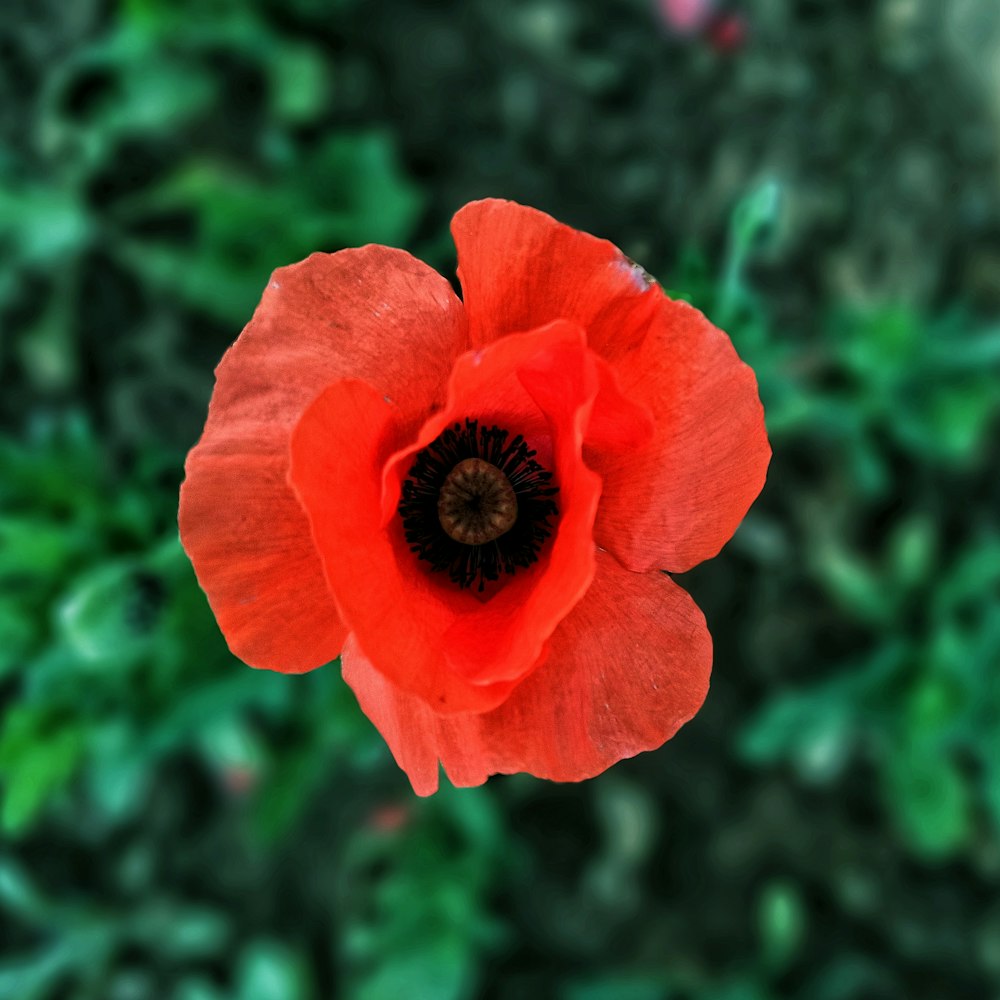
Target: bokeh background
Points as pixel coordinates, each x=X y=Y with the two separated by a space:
x=822 y=177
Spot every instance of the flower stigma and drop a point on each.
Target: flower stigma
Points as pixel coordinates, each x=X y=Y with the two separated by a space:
x=477 y=503
x=476 y=506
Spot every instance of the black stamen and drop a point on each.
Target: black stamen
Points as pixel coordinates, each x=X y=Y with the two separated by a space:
x=519 y=546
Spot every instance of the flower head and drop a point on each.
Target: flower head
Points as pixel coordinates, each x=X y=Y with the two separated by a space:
x=686 y=17
x=471 y=501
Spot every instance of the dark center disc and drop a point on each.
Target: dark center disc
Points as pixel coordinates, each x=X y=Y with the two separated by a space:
x=477 y=503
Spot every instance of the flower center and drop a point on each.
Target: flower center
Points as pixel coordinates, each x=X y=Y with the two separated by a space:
x=476 y=503
x=476 y=506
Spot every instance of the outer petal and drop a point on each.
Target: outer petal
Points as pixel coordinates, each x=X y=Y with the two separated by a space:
x=455 y=650
x=521 y=268
x=374 y=313
x=626 y=669
x=677 y=500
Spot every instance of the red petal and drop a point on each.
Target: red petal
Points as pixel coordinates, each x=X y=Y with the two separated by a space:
x=626 y=669
x=678 y=500
x=521 y=268
x=456 y=650
x=686 y=17
x=375 y=313
x=338 y=452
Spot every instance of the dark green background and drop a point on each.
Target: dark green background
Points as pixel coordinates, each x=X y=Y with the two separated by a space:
x=176 y=826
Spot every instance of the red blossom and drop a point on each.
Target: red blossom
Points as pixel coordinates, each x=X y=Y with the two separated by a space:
x=239 y=781
x=470 y=501
x=686 y=17
x=727 y=33
x=389 y=818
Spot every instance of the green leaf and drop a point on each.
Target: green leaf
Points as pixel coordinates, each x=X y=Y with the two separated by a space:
x=300 y=82
x=879 y=344
x=19 y=896
x=271 y=969
x=348 y=192
x=181 y=932
x=108 y=616
x=623 y=986
x=196 y=988
x=754 y=216
x=18 y=633
x=781 y=917
x=960 y=415
x=912 y=550
x=854 y=584
x=34 y=978
x=43 y=225
x=754 y=219
x=929 y=798
x=814 y=730
x=231 y=746
x=118 y=776
x=39 y=771
x=441 y=970
x=32 y=546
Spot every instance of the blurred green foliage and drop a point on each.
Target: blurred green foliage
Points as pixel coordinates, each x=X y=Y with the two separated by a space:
x=174 y=825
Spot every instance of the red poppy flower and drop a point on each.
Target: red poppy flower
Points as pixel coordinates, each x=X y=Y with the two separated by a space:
x=471 y=501
x=686 y=17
